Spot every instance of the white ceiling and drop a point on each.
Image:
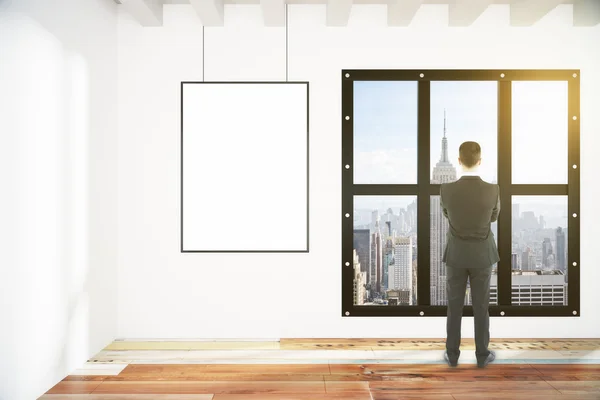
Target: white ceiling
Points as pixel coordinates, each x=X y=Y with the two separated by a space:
x=357 y=1
x=400 y=12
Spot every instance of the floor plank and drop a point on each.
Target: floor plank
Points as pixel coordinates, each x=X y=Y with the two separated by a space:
x=269 y=368
x=492 y=396
x=74 y=387
x=577 y=387
x=328 y=396
x=336 y=387
x=438 y=344
x=190 y=345
x=236 y=387
x=368 y=369
x=392 y=396
x=127 y=397
x=516 y=389
x=218 y=377
x=567 y=368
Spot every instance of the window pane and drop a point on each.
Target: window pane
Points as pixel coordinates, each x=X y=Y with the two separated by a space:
x=438 y=230
x=385 y=132
x=460 y=112
x=539 y=250
x=539 y=132
x=385 y=250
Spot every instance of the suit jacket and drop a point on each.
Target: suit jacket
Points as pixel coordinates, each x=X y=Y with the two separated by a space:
x=470 y=205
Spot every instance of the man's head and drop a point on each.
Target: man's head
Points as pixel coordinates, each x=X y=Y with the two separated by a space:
x=469 y=155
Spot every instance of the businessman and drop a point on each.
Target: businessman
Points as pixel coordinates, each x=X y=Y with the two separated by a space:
x=470 y=205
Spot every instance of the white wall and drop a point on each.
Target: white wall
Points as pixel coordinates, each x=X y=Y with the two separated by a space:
x=165 y=294
x=58 y=202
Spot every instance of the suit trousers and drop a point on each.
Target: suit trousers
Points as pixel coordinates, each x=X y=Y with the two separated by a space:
x=456 y=286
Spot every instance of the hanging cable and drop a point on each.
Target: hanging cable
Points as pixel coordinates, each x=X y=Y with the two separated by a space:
x=286 y=42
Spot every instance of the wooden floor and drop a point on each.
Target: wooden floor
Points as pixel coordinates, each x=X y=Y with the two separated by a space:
x=352 y=369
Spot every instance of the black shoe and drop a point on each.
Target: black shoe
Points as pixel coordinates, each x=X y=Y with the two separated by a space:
x=450 y=362
x=491 y=357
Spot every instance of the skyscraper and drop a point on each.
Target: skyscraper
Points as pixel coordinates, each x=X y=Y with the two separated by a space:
x=389 y=228
x=388 y=259
x=376 y=260
x=546 y=252
x=360 y=279
x=525 y=260
x=561 y=261
x=362 y=245
x=528 y=262
x=515 y=261
x=400 y=272
x=443 y=172
x=411 y=214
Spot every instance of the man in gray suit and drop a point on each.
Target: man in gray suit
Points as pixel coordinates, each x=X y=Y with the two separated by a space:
x=470 y=205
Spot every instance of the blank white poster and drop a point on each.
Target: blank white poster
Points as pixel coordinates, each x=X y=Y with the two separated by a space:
x=244 y=149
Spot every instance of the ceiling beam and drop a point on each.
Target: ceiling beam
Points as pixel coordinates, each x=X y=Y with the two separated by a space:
x=528 y=12
x=402 y=12
x=586 y=12
x=465 y=12
x=273 y=12
x=147 y=12
x=211 y=12
x=338 y=12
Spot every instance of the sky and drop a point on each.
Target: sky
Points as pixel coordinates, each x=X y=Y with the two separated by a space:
x=540 y=132
x=553 y=208
x=382 y=203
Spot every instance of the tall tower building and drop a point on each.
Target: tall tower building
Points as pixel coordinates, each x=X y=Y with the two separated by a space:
x=360 y=279
x=411 y=214
x=362 y=244
x=443 y=172
x=388 y=261
x=515 y=261
x=401 y=269
x=376 y=259
x=561 y=261
x=400 y=272
x=525 y=259
x=546 y=252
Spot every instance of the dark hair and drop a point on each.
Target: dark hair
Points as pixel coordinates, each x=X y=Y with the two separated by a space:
x=469 y=153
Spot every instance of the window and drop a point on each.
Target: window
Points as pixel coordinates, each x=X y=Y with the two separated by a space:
x=385 y=242
x=401 y=130
x=385 y=132
x=539 y=241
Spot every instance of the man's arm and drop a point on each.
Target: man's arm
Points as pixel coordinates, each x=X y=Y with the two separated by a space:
x=444 y=209
x=496 y=209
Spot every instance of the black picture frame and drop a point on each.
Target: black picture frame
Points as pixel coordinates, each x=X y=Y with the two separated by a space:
x=183 y=83
x=424 y=189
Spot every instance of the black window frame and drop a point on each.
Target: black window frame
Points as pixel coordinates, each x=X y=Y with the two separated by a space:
x=424 y=189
